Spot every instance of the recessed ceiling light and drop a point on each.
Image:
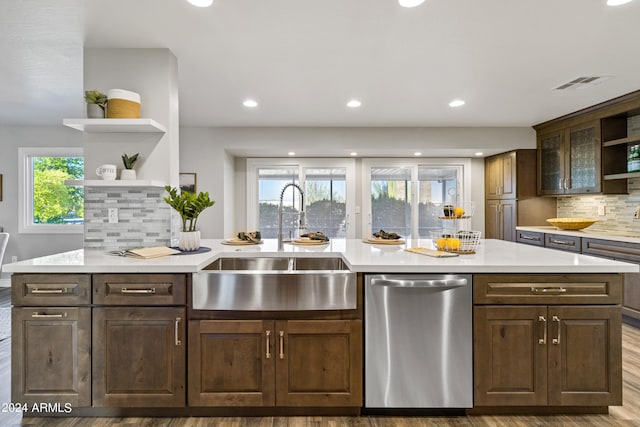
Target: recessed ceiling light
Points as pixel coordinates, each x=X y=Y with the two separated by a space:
x=250 y=103
x=201 y=3
x=456 y=103
x=616 y=2
x=417 y=153
x=479 y=153
x=291 y=153
x=353 y=154
x=410 y=3
x=354 y=103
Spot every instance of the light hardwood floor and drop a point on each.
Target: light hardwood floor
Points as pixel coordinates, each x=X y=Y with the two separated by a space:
x=626 y=415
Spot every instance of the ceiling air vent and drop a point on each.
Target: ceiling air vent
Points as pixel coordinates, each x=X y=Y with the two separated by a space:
x=582 y=82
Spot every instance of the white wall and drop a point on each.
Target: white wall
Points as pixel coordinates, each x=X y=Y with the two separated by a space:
x=201 y=153
x=26 y=246
x=208 y=151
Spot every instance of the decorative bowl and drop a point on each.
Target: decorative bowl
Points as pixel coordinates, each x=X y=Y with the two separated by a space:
x=571 y=223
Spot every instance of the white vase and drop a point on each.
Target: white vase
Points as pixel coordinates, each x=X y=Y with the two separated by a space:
x=189 y=240
x=128 y=174
x=94 y=111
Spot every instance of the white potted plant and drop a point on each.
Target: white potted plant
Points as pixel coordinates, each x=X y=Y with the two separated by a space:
x=189 y=206
x=129 y=173
x=96 y=104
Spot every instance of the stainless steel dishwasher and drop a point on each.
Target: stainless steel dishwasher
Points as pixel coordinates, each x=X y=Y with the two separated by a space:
x=418 y=341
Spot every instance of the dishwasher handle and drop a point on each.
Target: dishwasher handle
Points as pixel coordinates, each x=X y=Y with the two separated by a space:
x=443 y=283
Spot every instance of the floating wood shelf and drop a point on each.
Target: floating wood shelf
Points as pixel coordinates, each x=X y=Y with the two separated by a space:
x=627 y=140
x=622 y=176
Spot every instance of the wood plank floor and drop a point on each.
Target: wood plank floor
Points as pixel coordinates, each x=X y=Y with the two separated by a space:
x=626 y=415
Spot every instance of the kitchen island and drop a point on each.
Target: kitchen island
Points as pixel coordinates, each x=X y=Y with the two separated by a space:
x=108 y=335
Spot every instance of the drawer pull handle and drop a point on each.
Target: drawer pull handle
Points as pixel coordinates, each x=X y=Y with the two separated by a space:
x=281 y=344
x=562 y=242
x=543 y=320
x=556 y=340
x=268 y=353
x=37 y=315
x=176 y=331
x=548 y=290
x=138 y=291
x=48 y=291
x=527 y=237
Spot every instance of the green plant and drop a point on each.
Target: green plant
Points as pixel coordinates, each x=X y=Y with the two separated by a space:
x=188 y=205
x=129 y=162
x=95 y=97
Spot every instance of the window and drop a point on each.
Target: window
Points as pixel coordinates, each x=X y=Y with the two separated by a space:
x=328 y=186
x=47 y=205
x=406 y=197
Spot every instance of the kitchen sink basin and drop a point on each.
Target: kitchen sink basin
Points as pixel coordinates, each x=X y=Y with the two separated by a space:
x=268 y=264
x=275 y=284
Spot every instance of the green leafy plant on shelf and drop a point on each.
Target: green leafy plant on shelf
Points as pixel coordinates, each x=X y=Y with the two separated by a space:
x=130 y=161
x=95 y=97
x=188 y=205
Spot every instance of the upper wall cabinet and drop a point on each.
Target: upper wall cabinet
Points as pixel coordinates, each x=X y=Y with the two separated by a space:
x=586 y=152
x=569 y=160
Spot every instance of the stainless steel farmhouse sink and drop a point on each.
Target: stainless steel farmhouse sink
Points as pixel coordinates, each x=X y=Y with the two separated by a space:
x=275 y=284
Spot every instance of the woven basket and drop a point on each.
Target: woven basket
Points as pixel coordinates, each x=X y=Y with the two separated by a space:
x=571 y=223
x=123 y=104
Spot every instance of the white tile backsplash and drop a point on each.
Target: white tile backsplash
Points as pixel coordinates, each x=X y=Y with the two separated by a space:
x=144 y=219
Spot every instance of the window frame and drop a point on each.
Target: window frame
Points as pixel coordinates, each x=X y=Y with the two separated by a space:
x=367 y=164
x=25 y=193
x=253 y=164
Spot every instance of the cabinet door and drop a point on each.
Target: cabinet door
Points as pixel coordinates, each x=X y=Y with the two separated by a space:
x=231 y=363
x=510 y=355
x=492 y=222
x=585 y=355
x=493 y=178
x=319 y=363
x=139 y=357
x=508 y=175
x=582 y=159
x=51 y=348
x=508 y=217
x=551 y=163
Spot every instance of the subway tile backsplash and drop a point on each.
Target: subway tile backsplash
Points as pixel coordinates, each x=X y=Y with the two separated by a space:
x=144 y=219
x=619 y=208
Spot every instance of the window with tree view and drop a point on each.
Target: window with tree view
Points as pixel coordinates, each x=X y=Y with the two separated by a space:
x=325 y=197
x=49 y=205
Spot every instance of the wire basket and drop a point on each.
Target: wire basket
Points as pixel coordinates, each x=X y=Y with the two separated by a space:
x=460 y=242
x=460 y=210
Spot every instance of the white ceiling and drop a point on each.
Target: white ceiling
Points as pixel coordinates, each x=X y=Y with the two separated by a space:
x=302 y=60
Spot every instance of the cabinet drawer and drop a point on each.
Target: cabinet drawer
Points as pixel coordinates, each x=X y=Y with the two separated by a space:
x=139 y=289
x=530 y=238
x=611 y=249
x=547 y=289
x=50 y=289
x=562 y=242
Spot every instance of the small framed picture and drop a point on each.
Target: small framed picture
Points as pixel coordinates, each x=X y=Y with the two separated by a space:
x=188 y=182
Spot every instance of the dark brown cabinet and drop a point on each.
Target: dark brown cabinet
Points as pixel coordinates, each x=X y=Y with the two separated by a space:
x=569 y=160
x=291 y=363
x=547 y=355
x=139 y=340
x=138 y=357
x=569 y=354
x=510 y=190
x=51 y=339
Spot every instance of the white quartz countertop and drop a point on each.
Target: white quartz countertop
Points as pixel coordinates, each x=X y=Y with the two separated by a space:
x=618 y=236
x=492 y=256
